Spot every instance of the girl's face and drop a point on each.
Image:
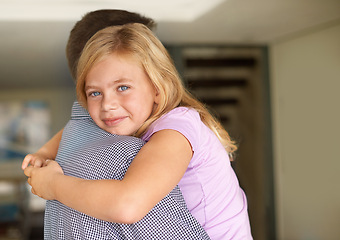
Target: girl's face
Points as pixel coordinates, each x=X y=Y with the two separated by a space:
x=120 y=96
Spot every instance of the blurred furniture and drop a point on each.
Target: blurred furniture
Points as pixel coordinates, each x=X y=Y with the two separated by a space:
x=14 y=198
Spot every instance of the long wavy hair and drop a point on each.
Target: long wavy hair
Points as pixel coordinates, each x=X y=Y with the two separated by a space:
x=136 y=40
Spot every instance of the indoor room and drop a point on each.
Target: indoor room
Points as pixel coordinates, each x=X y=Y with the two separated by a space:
x=268 y=70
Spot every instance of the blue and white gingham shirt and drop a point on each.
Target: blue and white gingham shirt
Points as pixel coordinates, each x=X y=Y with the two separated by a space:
x=88 y=152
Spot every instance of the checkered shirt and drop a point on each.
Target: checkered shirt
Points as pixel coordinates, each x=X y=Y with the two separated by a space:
x=88 y=152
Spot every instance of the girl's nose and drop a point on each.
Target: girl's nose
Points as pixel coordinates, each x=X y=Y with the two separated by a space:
x=109 y=103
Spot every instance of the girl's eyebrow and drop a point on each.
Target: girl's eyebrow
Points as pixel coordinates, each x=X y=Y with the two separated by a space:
x=114 y=82
x=122 y=80
x=87 y=87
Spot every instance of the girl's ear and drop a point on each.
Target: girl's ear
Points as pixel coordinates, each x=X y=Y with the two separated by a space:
x=157 y=96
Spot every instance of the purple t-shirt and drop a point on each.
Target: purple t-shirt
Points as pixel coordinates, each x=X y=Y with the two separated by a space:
x=209 y=185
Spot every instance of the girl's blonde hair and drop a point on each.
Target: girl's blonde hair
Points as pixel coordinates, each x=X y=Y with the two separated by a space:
x=138 y=41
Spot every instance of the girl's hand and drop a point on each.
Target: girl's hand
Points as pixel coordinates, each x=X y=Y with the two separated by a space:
x=42 y=179
x=35 y=160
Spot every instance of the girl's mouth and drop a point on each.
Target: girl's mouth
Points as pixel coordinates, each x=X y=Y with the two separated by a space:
x=113 y=121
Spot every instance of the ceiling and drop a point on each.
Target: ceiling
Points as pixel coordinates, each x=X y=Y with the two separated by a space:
x=34 y=32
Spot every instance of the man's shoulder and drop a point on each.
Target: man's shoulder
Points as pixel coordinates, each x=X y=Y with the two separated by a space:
x=79 y=111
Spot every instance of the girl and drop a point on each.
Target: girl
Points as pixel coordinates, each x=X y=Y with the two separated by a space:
x=130 y=86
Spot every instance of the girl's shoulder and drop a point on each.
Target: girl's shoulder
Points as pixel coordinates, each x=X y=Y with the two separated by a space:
x=180 y=116
x=182 y=113
x=181 y=119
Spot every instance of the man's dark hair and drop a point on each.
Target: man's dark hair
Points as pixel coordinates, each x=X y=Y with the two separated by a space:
x=91 y=23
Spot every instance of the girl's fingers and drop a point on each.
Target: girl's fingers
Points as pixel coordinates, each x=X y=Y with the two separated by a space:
x=28 y=171
x=26 y=161
x=38 y=163
x=32 y=191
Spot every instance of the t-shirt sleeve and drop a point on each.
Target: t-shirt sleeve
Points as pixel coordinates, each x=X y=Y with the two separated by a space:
x=181 y=119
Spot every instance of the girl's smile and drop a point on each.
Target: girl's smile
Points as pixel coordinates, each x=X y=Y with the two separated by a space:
x=120 y=96
x=113 y=121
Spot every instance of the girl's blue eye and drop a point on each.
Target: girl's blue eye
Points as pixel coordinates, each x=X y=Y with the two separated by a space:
x=123 y=88
x=95 y=94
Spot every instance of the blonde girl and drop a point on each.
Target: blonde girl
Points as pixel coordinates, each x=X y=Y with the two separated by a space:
x=128 y=83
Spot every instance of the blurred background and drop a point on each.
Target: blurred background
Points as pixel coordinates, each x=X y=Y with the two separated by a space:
x=269 y=69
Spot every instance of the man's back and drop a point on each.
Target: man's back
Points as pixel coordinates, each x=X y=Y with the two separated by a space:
x=88 y=152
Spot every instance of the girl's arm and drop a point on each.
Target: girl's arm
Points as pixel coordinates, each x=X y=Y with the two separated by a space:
x=155 y=171
x=48 y=151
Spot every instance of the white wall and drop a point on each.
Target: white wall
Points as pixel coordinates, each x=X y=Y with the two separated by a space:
x=305 y=85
